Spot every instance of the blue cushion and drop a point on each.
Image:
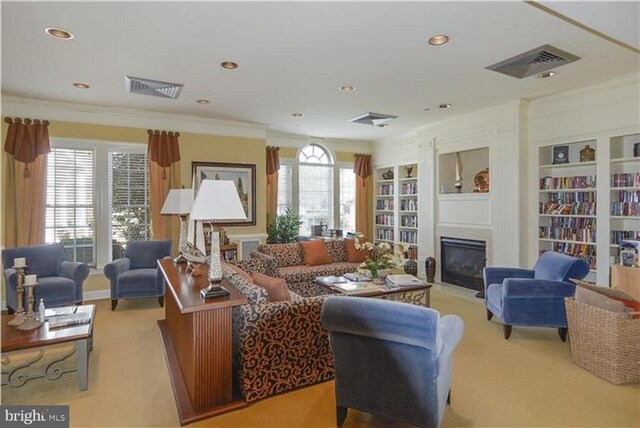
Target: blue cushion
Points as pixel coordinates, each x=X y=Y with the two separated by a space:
x=145 y=254
x=138 y=280
x=54 y=290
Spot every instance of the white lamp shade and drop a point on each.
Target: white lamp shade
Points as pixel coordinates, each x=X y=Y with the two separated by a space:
x=217 y=200
x=179 y=201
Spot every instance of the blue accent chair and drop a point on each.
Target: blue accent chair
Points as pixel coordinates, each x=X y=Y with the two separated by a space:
x=137 y=273
x=391 y=359
x=59 y=281
x=533 y=297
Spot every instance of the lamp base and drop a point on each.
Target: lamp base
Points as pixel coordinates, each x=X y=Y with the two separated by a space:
x=213 y=290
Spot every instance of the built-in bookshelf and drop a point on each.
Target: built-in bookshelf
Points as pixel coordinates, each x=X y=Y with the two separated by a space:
x=624 y=184
x=396 y=206
x=567 y=215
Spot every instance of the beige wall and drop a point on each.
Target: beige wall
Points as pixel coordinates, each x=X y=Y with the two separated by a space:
x=193 y=147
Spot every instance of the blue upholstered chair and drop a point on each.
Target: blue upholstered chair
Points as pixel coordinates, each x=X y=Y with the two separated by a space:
x=59 y=281
x=391 y=359
x=533 y=297
x=137 y=273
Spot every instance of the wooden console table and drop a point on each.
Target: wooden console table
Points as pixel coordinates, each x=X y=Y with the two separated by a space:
x=196 y=335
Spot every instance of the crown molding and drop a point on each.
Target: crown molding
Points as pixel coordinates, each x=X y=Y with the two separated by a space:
x=283 y=139
x=125 y=117
x=618 y=82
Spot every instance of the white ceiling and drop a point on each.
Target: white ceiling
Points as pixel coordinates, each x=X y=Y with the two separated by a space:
x=293 y=57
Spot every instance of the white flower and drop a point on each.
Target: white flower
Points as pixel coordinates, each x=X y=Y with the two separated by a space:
x=384 y=246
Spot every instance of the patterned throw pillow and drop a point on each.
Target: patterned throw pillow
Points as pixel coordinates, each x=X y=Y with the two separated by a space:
x=276 y=287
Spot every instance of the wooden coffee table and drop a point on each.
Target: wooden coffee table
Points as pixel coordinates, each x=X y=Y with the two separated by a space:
x=415 y=294
x=14 y=341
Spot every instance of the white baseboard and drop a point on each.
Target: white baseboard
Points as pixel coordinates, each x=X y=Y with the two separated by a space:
x=86 y=296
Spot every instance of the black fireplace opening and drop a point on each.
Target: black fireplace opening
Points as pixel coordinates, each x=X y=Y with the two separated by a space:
x=462 y=261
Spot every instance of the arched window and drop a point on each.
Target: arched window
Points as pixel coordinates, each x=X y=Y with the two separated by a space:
x=318 y=189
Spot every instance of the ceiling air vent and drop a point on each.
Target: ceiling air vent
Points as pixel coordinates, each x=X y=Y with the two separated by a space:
x=375 y=119
x=533 y=62
x=156 y=88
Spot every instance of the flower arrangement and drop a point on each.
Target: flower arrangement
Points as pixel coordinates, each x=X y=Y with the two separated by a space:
x=379 y=256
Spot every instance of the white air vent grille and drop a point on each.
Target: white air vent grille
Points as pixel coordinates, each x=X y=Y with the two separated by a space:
x=375 y=119
x=533 y=62
x=156 y=88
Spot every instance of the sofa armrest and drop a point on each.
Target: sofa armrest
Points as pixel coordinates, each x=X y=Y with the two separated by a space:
x=451 y=329
x=280 y=346
x=536 y=288
x=116 y=268
x=76 y=271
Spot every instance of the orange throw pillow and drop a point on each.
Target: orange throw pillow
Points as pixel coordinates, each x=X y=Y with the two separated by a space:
x=277 y=289
x=315 y=253
x=353 y=255
x=633 y=304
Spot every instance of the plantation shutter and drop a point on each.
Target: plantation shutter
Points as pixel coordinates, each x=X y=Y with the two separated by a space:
x=315 y=196
x=285 y=188
x=347 y=199
x=71 y=204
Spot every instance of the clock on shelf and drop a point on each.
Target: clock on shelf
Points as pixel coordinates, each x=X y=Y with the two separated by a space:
x=560 y=154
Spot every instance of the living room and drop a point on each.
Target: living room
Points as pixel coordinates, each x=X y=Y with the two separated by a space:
x=301 y=71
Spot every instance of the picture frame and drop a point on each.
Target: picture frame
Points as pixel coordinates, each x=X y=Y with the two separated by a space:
x=243 y=175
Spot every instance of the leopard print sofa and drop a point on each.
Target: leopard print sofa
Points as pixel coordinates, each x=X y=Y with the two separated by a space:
x=288 y=259
x=278 y=346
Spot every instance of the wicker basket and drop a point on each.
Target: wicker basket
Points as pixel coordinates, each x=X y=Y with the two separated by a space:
x=603 y=342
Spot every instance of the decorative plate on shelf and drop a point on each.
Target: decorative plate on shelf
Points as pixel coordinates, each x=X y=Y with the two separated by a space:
x=481 y=180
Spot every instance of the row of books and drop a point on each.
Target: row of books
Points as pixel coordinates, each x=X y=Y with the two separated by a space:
x=629 y=196
x=384 y=204
x=384 y=219
x=412 y=253
x=572 y=222
x=625 y=209
x=409 y=220
x=629 y=179
x=229 y=255
x=384 y=234
x=568 y=234
x=570 y=197
x=574 y=182
x=384 y=189
x=410 y=237
x=408 y=205
x=409 y=188
x=578 y=208
x=621 y=235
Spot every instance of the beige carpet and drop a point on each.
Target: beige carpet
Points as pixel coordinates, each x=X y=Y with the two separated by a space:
x=526 y=381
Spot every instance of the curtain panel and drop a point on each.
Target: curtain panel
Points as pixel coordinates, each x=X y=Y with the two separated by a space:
x=364 y=195
x=273 y=165
x=164 y=174
x=27 y=145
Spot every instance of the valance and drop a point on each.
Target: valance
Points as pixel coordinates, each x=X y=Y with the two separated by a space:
x=273 y=160
x=26 y=140
x=163 y=147
x=362 y=166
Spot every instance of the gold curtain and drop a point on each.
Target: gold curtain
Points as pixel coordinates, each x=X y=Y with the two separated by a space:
x=27 y=145
x=364 y=195
x=164 y=174
x=273 y=165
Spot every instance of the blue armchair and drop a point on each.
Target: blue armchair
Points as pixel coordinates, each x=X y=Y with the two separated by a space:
x=533 y=297
x=390 y=358
x=59 y=281
x=137 y=273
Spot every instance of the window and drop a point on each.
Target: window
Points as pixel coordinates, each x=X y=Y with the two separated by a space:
x=318 y=190
x=85 y=175
x=71 y=204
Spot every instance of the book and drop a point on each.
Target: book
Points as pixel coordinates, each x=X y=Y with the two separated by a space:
x=61 y=321
x=66 y=310
x=403 y=280
x=333 y=279
x=357 y=287
x=356 y=277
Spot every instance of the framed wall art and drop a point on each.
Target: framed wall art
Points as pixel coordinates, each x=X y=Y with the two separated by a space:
x=244 y=177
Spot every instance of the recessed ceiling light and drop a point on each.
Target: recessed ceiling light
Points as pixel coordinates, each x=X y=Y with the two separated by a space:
x=546 y=74
x=444 y=105
x=203 y=101
x=382 y=125
x=59 y=33
x=297 y=114
x=80 y=85
x=229 y=65
x=427 y=109
x=347 y=88
x=438 y=40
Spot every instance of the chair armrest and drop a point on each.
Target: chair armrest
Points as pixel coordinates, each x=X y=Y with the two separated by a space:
x=116 y=268
x=532 y=288
x=451 y=329
x=11 y=277
x=76 y=271
x=496 y=275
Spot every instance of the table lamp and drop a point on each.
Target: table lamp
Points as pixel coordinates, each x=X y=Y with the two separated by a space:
x=179 y=201
x=216 y=200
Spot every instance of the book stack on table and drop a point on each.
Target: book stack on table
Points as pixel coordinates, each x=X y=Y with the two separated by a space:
x=66 y=317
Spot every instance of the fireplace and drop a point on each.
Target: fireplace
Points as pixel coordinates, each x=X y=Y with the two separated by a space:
x=462 y=261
